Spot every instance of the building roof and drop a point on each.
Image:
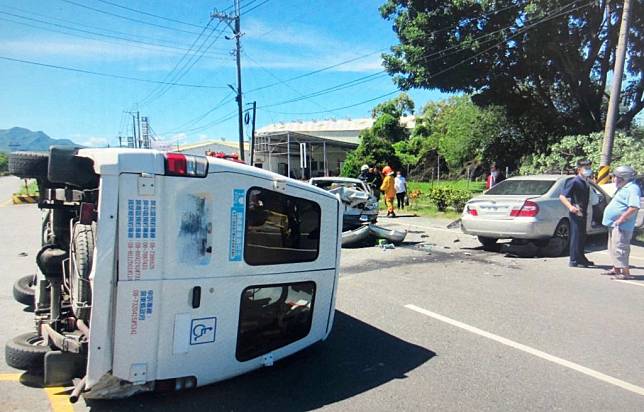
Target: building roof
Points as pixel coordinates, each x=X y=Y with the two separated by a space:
x=207 y=143
x=341 y=130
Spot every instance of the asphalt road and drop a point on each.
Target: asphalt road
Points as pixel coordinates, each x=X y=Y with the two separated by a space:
x=435 y=324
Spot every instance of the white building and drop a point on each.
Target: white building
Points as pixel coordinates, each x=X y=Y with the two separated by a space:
x=303 y=149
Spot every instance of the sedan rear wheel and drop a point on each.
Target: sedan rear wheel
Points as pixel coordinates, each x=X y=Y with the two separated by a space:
x=558 y=244
x=489 y=243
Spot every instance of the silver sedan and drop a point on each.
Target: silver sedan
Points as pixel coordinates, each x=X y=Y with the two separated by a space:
x=528 y=208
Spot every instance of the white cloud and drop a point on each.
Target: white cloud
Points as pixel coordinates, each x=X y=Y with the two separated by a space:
x=82 y=49
x=95 y=141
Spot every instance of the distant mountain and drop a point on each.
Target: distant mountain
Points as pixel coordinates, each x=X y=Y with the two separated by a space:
x=21 y=139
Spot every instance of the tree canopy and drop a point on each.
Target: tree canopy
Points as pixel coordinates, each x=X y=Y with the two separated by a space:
x=547 y=62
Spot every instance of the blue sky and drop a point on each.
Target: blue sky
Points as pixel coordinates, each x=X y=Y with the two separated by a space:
x=282 y=39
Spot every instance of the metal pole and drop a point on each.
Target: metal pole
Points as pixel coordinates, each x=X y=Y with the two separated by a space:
x=252 y=137
x=613 y=103
x=288 y=154
x=134 y=130
x=138 y=123
x=239 y=82
x=269 y=149
x=326 y=168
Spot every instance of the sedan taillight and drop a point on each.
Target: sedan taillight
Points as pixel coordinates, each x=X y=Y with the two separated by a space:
x=472 y=212
x=529 y=209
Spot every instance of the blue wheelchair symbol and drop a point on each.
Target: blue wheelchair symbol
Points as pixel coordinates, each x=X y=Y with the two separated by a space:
x=199 y=330
x=202 y=330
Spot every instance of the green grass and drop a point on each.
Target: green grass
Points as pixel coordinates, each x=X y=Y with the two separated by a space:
x=30 y=189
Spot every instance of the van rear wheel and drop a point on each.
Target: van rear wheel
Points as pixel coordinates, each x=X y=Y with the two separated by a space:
x=29 y=165
x=26 y=352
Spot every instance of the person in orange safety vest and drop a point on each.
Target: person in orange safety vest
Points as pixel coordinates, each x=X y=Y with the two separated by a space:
x=388 y=189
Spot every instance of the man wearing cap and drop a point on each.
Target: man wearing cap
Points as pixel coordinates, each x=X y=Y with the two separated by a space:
x=619 y=217
x=575 y=197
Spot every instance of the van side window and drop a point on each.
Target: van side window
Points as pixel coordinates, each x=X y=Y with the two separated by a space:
x=273 y=316
x=280 y=229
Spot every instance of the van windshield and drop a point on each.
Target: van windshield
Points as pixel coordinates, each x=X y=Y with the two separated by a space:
x=521 y=187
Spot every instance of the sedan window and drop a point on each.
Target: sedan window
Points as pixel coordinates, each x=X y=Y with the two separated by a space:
x=521 y=187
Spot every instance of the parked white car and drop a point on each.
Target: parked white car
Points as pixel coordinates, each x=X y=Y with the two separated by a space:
x=166 y=271
x=361 y=206
x=528 y=208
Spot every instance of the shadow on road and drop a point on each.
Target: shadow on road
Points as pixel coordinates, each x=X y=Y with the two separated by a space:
x=356 y=358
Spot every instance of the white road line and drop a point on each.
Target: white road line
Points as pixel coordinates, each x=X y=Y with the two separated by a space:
x=630 y=282
x=432 y=228
x=543 y=355
x=630 y=257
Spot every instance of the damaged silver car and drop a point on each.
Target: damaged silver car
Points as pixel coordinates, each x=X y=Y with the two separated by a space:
x=361 y=206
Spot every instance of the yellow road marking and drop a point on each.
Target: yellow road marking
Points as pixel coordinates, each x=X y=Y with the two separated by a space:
x=11 y=377
x=59 y=399
x=6 y=203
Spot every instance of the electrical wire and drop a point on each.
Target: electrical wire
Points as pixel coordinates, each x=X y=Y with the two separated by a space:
x=117 y=37
x=520 y=31
x=150 y=14
x=251 y=9
x=102 y=74
x=127 y=18
x=173 y=74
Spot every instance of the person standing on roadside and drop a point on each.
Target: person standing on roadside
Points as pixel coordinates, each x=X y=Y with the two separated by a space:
x=619 y=217
x=376 y=182
x=400 y=183
x=365 y=174
x=389 y=190
x=494 y=177
x=575 y=196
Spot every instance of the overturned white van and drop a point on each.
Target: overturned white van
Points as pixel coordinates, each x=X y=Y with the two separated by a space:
x=169 y=271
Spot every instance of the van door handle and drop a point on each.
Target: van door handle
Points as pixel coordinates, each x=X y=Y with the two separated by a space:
x=196 y=297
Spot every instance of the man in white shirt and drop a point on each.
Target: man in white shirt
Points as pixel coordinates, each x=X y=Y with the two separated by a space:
x=400 y=183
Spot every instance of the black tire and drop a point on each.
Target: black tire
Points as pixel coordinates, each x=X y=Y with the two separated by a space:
x=80 y=268
x=559 y=244
x=29 y=165
x=489 y=243
x=24 y=290
x=26 y=352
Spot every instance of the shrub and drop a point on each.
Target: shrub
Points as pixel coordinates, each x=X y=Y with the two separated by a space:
x=445 y=196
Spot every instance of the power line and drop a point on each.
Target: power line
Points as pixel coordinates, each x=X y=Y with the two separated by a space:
x=351 y=60
x=440 y=54
x=283 y=82
x=174 y=75
x=150 y=14
x=521 y=31
x=129 y=40
x=225 y=100
x=111 y=75
x=251 y=9
x=128 y=18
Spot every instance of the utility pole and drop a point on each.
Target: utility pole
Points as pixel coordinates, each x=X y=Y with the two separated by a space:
x=138 y=125
x=134 y=130
x=252 y=136
x=613 y=103
x=232 y=20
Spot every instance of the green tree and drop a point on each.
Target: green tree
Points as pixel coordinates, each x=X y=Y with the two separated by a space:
x=628 y=149
x=376 y=143
x=546 y=62
x=4 y=160
x=462 y=132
